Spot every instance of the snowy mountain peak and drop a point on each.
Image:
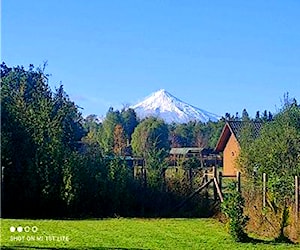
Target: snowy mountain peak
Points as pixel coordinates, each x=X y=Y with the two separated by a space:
x=164 y=105
x=161 y=91
x=161 y=94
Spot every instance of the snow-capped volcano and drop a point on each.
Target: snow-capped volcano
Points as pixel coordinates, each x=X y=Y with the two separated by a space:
x=163 y=105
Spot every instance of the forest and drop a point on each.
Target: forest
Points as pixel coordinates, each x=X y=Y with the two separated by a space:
x=58 y=164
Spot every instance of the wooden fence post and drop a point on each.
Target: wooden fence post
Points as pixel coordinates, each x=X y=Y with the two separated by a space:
x=238 y=179
x=214 y=172
x=215 y=177
x=264 y=189
x=205 y=181
x=220 y=180
x=296 y=198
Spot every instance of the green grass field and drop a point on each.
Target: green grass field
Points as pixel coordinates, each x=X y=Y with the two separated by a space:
x=123 y=234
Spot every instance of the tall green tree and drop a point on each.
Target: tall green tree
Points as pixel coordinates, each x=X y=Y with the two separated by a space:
x=129 y=122
x=150 y=134
x=245 y=115
x=92 y=127
x=185 y=134
x=106 y=135
x=151 y=141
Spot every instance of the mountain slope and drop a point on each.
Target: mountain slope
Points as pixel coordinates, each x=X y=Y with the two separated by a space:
x=163 y=105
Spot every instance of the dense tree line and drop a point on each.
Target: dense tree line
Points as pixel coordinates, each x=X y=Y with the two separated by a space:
x=57 y=163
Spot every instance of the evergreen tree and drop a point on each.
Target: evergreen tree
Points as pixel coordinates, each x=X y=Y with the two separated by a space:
x=265 y=116
x=237 y=117
x=106 y=134
x=270 y=116
x=149 y=134
x=129 y=122
x=257 y=116
x=245 y=115
x=228 y=117
x=92 y=128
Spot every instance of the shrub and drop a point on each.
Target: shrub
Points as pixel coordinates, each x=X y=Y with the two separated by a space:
x=233 y=208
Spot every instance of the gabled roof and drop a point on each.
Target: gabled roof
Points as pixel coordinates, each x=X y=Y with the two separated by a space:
x=184 y=151
x=235 y=128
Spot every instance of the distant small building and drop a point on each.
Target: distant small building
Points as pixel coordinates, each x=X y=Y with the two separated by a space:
x=185 y=152
x=206 y=156
x=229 y=143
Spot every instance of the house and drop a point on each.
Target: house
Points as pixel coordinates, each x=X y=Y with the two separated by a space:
x=229 y=143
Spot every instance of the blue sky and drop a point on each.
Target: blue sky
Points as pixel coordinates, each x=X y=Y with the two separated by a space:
x=221 y=56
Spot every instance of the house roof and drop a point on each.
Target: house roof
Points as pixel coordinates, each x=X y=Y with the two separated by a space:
x=235 y=128
x=184 y=151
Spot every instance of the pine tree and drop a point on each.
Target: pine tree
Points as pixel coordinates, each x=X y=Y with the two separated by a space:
x=257 y=116
x=265 y=116
x=245 y=115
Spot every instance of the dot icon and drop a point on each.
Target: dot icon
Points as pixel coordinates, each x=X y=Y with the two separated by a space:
x=12 y=229
x=19 y=229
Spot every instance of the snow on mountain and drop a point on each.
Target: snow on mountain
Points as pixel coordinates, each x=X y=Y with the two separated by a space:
x=163 y=105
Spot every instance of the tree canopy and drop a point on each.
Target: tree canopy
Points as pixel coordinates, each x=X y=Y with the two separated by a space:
x=149 y=134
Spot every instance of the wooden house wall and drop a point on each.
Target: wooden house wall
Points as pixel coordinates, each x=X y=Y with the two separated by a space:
x=230 y=154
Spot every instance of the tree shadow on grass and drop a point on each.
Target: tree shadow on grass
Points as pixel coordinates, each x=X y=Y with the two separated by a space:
x=277 y=241
x=64 y=248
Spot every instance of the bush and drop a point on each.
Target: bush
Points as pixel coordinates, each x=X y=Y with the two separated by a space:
x=233 y=208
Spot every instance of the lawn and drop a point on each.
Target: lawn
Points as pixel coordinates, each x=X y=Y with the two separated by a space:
x=122 y=234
